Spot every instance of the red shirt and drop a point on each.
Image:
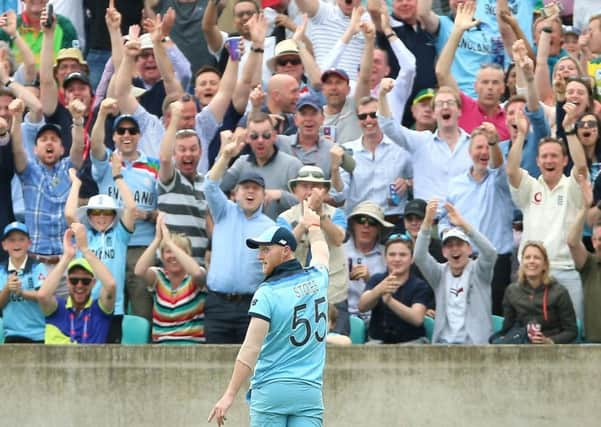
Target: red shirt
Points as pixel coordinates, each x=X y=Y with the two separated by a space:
x=472 y=116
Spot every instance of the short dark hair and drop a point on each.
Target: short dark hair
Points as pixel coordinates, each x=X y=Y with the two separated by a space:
x=514 y=99
x=207 y=69
x=259 y=117
x=551 y=140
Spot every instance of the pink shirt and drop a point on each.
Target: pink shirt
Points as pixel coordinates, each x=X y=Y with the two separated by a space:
x=472 y=117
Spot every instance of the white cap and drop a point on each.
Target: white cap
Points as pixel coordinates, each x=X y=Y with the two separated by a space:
x=102 y=202
x=454 y=232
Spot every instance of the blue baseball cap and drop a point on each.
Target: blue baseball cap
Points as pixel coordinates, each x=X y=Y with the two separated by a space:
x=15 y=226
x=273 y=236
x=251 y=177
x=124 y=117
x=51 y=127
x=308 y=101
x=336 y=72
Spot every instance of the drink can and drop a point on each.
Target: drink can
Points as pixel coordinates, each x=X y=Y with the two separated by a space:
x=232 y=45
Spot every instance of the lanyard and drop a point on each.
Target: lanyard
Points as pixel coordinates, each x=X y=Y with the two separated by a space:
x=72 y=332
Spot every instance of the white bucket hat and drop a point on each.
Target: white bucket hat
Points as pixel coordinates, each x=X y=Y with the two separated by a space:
x=101 y=202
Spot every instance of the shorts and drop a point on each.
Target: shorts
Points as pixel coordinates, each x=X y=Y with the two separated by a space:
x=286 y=404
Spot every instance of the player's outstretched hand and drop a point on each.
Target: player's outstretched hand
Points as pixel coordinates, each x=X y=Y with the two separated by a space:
x=219 y=410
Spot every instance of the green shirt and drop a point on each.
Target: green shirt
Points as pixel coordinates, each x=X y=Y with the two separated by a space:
x=64 y=36
x=591 y=286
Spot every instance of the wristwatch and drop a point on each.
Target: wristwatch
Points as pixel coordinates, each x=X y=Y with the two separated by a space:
x=8 y=82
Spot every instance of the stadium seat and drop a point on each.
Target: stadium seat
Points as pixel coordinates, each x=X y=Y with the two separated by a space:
x=497 y=323
x=136 y=330
x=580 y=336
x=1 y=331
x=429 y=326
x=357 y=330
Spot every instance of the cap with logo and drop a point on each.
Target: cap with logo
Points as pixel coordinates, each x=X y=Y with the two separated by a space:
x=423 y=94
x=76 y=76
x=15 y=226
x=455 y=233
x=273 y=236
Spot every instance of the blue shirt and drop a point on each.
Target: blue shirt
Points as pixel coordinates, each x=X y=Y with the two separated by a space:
x=45 y=191
x=539 y=128
x=66 y=326
x=235 y=268
x=110 y=247
x=433 y=162
x=294 y=302
x=23 y=317
x=141 y=177
x=373 y=174
x=486 y=205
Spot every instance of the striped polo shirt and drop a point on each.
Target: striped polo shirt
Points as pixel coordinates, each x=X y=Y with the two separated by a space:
x=177 y=313
x=186 y=209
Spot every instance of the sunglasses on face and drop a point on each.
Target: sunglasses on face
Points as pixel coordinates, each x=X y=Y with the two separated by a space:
x=131 y=131
x=265 y=135
x=586 y=123
x=366 y=220
x=285 y=61
x=83 y=280
x=102 y=212
x=363 y=116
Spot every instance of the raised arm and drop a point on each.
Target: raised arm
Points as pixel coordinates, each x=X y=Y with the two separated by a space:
x=46 y=298
x=367 y=60
x=48 y=86
x=525 y=68
x=128 y=104
x=487 y=251
x=430 y=268
x=72 y=202
x=577 y=248
x=146 y=261
x=464 y=20
x=496 y=156
x=159 y=29
x=341 y=45
x=8 y=22
x=312 y=70
x=113 y=24
x=97 y=147
x=514 y=158
x=253 y=65
x=574 y=145
x=101 y=272
x=510 y=29
x=77 y=110
x=429 y=20
x=191 y=267
x=310 y=7
x=221 y=101
x=210 y=27
x=320 y=254
x=541 y=74
x=167 y=169
x=129 y=205
x=31 y=101
x=16 y=108
x=230 y=148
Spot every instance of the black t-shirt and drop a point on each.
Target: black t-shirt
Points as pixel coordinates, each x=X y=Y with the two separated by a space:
x=385 y=325
x=7 y=170
x=152 y=100
x=421 y=44
x=97 y=33
x=230 y=121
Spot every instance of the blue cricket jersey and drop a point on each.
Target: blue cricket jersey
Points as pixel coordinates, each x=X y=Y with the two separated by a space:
x=294 y=302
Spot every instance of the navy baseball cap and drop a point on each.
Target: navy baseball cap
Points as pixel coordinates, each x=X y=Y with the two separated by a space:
x=273 y=236
x=14 y=226
x=308 y=101
x=52 y=127
x=124 y=117
x=76 y=76
x=251 y=177
x=336 y=72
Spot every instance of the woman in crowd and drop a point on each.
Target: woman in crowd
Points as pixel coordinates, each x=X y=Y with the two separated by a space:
x=397 y=298
x=178 y=288
x=537 y=300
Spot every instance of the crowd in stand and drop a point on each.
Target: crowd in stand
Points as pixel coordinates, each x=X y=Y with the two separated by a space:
x=453 y=159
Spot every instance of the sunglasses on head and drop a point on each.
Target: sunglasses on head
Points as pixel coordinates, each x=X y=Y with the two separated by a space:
x=285 y=61
x=398 y=236
x=366 y=220
x=103 y=212
x=311 y=174
x=265 y=135
x=586 y=123
x=363 y=116
x=131 y=131
x=83 y=280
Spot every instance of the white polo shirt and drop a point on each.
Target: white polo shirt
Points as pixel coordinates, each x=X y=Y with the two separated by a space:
x=548 y=215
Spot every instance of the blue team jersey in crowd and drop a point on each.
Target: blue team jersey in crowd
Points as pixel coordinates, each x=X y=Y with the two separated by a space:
x=294 y=302
x=111 y=248
x=23 y=317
